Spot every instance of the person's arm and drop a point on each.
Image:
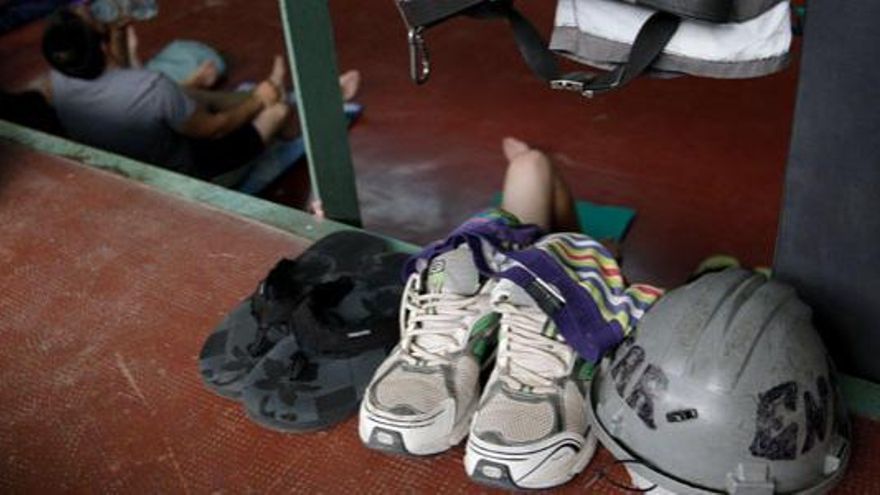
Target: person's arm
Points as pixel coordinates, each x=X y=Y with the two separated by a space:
x=131 y=45
x=217 y=101
x=203 y=124
x=117 y=44
x=206 y=125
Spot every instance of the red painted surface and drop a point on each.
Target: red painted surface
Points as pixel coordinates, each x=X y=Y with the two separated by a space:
x=701 y=160
x=107 y=291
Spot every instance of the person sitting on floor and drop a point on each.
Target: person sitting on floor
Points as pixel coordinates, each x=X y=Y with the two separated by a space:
x=102 y=101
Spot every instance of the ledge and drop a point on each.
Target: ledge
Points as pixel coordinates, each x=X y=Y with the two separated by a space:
x=282 y=217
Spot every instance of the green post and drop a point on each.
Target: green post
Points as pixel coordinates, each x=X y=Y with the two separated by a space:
x=308 y=33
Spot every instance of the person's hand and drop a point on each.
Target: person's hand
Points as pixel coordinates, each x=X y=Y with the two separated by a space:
x=267 y=93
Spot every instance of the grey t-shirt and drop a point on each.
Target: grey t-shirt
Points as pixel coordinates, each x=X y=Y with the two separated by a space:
x=132 y=112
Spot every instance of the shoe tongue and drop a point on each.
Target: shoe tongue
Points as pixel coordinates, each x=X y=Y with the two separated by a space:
x=509 y=292
x=512 y=293
x=449 y=273
x=453 y=272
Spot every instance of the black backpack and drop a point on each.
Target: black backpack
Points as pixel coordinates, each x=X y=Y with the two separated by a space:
x=655 y=33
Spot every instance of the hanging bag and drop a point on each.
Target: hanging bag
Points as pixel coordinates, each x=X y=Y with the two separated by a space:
x=711 y=38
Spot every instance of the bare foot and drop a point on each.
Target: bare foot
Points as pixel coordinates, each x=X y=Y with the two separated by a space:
x=271 y=121
x=513 y=147
x=285 y=121
x=205 y=77
x=349 y=83
x=316 y=208
x=279 y=70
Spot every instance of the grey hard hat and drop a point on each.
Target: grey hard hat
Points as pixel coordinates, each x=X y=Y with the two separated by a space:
x=725 y=387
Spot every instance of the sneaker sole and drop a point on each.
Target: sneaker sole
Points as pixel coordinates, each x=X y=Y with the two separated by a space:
x=546 y=464
x=389 y=435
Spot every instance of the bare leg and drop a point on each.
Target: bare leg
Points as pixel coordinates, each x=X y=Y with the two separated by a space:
x=279 y=70
x=271 y=120
x=534 y=191
x=349 y=82
x=289 y=127
x=564 y=215
x=279 y=120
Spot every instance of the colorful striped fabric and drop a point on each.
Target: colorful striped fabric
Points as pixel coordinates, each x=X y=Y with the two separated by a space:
x=571 y=276
x=579 y=284
x=590 y=263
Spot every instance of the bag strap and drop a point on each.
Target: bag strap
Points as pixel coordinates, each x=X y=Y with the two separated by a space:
x=649 y=43
x=537 y=56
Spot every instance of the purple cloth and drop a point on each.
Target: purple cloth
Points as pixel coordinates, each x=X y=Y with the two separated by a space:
x=572 y=310
x=500 y=229
x=574 y=313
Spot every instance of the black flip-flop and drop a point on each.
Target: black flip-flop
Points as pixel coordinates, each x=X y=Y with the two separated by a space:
x=251 y=330
x=316 y=377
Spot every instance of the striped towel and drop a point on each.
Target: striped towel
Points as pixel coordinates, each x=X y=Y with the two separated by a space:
x=579 y=284
x=572 y=277
x=595 y=268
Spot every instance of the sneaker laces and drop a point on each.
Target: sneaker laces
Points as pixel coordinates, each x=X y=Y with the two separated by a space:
x=526 y=358
x=434 y=323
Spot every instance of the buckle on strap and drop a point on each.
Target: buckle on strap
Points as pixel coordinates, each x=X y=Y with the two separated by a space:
x=419 y=62
x=588 y=84
x=567 y=85
x=573 y=85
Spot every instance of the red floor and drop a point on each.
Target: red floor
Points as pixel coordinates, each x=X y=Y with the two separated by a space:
x=701 y=160
x=105 y=300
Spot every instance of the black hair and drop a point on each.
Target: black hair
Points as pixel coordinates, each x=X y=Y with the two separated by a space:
x=73 y=47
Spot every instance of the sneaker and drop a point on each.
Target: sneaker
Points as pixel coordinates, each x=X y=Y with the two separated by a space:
x=530 y=429
x=422 y=397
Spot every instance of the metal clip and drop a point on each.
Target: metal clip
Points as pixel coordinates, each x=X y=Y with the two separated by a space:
x=572 y=85
x=567 y=85
x=419 y=63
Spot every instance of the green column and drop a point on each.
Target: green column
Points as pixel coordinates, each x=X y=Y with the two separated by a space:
x=308 y=33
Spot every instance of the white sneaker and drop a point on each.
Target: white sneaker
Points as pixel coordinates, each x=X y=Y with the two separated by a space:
x=423 y=396
x=530 y=430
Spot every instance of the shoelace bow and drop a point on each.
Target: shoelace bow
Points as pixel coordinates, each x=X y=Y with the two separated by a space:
x=522 y=347
x=438 y=317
